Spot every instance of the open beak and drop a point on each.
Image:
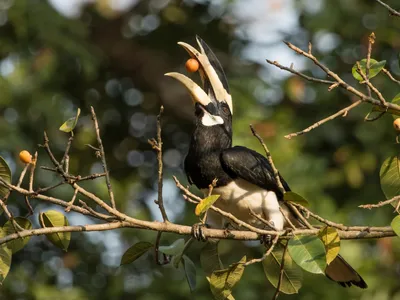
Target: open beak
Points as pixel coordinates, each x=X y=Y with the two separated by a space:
x=215 y=86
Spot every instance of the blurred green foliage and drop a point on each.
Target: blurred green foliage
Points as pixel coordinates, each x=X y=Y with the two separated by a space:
x=114 y=60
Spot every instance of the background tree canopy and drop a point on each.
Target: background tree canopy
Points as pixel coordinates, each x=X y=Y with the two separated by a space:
x=56 y=56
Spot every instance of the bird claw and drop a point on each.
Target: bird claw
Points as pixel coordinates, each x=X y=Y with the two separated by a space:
x=266 y=239
x=197 y=232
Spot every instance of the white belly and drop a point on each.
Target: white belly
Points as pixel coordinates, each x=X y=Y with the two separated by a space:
x=238 y=197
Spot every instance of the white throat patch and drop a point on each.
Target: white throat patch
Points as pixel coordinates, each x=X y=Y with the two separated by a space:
x=210 y=120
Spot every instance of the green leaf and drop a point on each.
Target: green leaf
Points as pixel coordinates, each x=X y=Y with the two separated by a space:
x=396 y=225
x=54 y=218
x=375 y=68
x=5 y=261
x=295 y=198
x=174 y=249
x=390 y=178
x=292 y=273
x=309 y=253
x=190 y=272
x=178 y=257
x=330 y=237
x=209 y=259
x=19 y=243
x=134 y=252
x=222 y=281
x=395 y=100
x=70 y=124
x=205 y=204
x=5 y=174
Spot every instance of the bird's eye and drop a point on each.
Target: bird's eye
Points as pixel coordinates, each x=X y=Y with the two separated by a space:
x=225 y=109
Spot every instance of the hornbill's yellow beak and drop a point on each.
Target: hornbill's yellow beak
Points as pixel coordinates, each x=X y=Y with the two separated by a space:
x=215 y=86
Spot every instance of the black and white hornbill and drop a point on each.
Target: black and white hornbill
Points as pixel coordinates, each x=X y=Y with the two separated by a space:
x=244 y=177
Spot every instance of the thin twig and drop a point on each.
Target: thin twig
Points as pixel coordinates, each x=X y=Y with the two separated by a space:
x=341 y=82
x=371 y=40
x=370 y=85
x=46 y=189
x=5 y=209
x=92 y=147
x=391 y=10
x=103 y=158
x=28 y=204
x=157 y=145
x=166 y=259
x=333 y=224
x=95 y=213
x=299 y=215
x=380 y=203
x=48 y=168
x=278 y=287
x=210 y=190
x=90 y=177
x=341 y=112
x=262 y=220
x=32 y=173
x=267 y=253
x=367 y=119
x=70 y=203
x=269 y=157
x=390 y=76
x=67 y=148
x=66 y=164
x=10 y=217
x=21 y=177
x=293 y=71
x=287 y=219
x=55 y=162
x=49 y=199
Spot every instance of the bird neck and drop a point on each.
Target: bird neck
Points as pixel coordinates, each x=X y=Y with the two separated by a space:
x=203 y=163
x=214 y=139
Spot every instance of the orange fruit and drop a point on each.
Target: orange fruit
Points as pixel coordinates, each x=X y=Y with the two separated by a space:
x=25 y=157
x=396 y=124
x=192 y=65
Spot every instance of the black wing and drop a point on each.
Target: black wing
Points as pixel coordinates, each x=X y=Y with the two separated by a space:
x=251 y=166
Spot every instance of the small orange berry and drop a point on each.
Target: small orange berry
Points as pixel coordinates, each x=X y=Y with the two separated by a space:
x=192 y=65
x=25 y=157
x=396 y=124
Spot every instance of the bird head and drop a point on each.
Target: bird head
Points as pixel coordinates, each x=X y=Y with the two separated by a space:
x=213 y=102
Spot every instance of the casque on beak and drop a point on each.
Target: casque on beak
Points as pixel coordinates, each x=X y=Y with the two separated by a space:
x=215 y=86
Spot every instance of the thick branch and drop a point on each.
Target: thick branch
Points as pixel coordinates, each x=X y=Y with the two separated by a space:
x=187 y=230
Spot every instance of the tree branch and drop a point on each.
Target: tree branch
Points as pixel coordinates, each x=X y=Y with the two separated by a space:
x=343 y=112
x=269 y=157
x=157 y=145
x=392 y=11
x=103 y=157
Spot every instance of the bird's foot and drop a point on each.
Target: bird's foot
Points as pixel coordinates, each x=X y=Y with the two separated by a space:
x=227 y=230
x=266 y=239
x=197 y=232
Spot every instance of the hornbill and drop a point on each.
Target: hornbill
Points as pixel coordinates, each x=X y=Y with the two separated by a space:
x=245 y=178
